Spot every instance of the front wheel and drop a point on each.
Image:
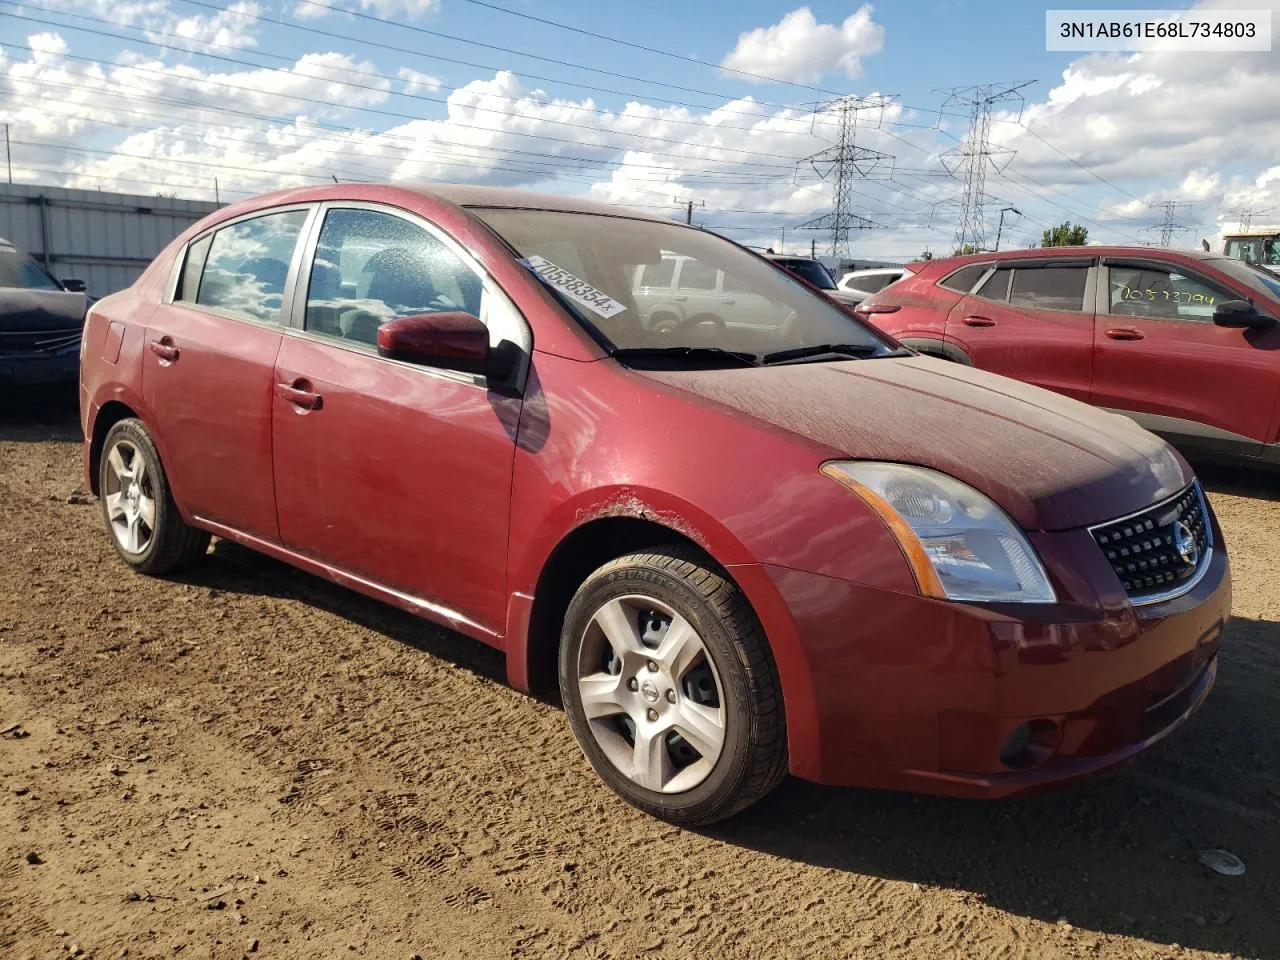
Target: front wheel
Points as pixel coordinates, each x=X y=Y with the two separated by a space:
x=671 y=688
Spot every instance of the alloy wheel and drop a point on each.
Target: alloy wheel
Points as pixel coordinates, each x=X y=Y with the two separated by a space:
x=651 y=694
x=130 y=497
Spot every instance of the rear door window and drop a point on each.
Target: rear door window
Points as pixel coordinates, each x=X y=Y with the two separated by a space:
x=696 y=275
x=1049 y=288
x=247 y=266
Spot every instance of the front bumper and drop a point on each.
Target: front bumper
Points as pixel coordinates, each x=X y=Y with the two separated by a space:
x=39 y=369
x=906 y=692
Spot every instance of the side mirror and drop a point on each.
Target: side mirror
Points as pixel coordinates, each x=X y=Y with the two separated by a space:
x=1240 y=313
x=454 y=341
x=72 y=285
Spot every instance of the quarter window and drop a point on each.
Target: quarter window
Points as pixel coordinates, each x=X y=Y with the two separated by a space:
x=996 y=286
x=964 y=278
x=247 y=265
x=1049 y=288
x=1162 y=293
x=372 y=267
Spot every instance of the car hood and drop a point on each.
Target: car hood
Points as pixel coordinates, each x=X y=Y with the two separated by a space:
x=23 y=311
x=1051 y=462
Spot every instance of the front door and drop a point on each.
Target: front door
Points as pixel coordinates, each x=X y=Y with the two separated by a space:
x=1031 y=320
x=209 y=363
x=1160 y=355
x=396 y=473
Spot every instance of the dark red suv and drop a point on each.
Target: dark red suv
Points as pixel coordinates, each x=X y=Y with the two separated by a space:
x=763 y=537
x=1187 y=344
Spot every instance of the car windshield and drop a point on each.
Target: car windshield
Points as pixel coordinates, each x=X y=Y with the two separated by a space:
x=645 y=285
x=1259 y=280
x=812 y=271
x=19 y=270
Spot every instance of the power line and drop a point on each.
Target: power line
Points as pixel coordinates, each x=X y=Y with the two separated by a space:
x=1245 y=215
x=1169 y=227
x=620 y=42
x=976 y=153
x=841 y=164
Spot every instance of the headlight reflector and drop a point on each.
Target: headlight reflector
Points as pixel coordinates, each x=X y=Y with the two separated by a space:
x=960 y=545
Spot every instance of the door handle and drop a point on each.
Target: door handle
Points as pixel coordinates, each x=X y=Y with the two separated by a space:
x=164 y=349
x=978 y=322
x=1125 y=333
x=297 y=394
x=730 y=302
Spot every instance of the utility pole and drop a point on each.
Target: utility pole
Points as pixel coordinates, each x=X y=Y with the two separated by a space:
x=688 y=205
x=976 y=153
x=8 y=157
x=1000 y=229
x=1170 y=226
x=813 y=248
x=216 y=197
x=783 y=249
x=842 y=163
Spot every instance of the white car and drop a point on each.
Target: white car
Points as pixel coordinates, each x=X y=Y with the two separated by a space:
x=863 y=283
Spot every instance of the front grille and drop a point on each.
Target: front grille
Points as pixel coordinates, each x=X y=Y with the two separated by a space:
x=1158 y=551
x=37 y=341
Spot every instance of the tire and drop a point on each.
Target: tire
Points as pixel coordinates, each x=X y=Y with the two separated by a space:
x=652 y=711
x=152 y=539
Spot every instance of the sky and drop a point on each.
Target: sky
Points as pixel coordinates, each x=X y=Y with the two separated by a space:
x=647 y=103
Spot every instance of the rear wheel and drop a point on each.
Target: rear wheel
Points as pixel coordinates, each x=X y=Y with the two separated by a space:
x=146 y=529
x=670 y=687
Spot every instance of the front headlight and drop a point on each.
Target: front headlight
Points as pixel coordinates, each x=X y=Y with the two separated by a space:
x=960 y=545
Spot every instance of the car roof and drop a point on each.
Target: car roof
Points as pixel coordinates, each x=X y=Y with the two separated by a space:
x=1055 y=253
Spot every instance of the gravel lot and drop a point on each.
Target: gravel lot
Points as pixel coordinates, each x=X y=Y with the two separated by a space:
x=250 y=761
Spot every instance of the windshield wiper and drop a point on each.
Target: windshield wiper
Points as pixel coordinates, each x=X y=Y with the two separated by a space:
x=699 y=355
x=859 y=350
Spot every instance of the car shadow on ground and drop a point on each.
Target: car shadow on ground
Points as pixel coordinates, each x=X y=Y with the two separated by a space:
x=40 y=416
x=1238 y=479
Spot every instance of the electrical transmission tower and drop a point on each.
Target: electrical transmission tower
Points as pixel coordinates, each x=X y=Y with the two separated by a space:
x=842 y=163
x=1246 y=215
x=1170 y=226
x=976 y=153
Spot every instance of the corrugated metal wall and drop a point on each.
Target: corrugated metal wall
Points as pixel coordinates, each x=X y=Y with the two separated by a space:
x=104 y=239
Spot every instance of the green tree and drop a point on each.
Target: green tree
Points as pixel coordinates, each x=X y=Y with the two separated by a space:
x=964 y=251
x=1065 y=234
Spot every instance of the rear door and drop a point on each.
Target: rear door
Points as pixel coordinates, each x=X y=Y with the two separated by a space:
x=1160 y=356
x=1031 y=320
x=207 y=371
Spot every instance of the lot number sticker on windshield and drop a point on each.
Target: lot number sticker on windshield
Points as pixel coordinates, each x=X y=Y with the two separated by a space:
x=597 y=301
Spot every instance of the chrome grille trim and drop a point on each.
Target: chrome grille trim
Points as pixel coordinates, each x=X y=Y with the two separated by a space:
x=1132 y=558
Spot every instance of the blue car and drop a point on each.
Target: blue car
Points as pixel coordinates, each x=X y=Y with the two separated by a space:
x=41 y=320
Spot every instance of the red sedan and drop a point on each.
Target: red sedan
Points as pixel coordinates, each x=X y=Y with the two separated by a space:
x=763 y=538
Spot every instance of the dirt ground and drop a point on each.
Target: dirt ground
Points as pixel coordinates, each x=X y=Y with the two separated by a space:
x=250 y=761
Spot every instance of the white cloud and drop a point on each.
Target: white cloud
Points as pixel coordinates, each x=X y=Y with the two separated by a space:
x=46 y=47
x=314 y=9
x=416 y=82
x=799 y=49
x=233 y=27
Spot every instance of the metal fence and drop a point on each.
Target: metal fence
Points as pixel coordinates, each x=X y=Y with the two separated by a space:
x=104 y=239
